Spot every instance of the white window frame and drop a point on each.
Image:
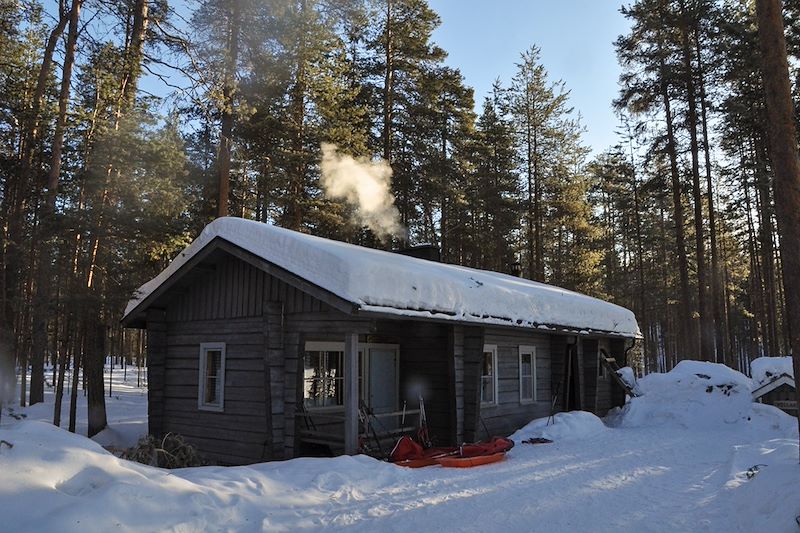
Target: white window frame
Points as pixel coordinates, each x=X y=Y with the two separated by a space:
x=330 y=346
x=493 y=349
x=218 y=406
x=528 y=350
x=363 y=358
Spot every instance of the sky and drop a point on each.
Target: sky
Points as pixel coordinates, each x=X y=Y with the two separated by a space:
x=484 y=39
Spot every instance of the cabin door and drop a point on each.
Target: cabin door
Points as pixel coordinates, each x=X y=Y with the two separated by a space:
x=383 y=393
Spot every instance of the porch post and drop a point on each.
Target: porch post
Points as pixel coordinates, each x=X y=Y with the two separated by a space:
x=351 y=394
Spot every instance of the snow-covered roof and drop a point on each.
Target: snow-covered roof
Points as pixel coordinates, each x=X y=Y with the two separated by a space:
x=376 y=281
x=765 y=369
x=774 y=383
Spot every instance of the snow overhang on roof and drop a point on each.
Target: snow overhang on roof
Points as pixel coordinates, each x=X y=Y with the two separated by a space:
x=765 y=369
x=774 y=383
x=381 y=282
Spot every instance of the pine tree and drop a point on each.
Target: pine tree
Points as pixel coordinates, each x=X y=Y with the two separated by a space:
x=494 y=194
x=649 y=56
x=539 y=108
x=784 y=156
x=402 y=53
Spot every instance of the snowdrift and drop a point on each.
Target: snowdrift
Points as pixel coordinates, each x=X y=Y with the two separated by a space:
x=53 y=480
x=571 y=426
x=700 y=396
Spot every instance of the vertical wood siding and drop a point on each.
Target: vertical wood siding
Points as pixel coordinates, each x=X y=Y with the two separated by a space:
x=782 y=394
x=457 y=354
x=235 y=289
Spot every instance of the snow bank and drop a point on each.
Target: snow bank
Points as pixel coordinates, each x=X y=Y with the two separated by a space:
x=384 y=282
x=764 y=369
x=53 y=480
x=574 y=425
x=762 y=491
x=694 y=394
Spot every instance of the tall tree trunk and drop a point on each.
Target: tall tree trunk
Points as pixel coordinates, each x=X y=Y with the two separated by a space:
x=95 y=351
x=717 y=302
x=388 y=86
x=14 y=199
x=43 y=285
x=63 y=357
x=135 y=52
x=94 y=313
x=537 y=212
x=228 y=90
x=756 y=278
x=297 y=185
x=684 y=319
x=765 y=233
x=783 y=152
x=639 y=249
x=706 y=321
x=76 y=369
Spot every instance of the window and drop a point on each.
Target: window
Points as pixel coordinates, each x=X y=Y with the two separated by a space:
x=323 y=375
x=211 y=388
x=489 y=375
x=527 y=374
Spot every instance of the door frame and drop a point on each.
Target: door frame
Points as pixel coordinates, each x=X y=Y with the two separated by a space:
x=367 y=360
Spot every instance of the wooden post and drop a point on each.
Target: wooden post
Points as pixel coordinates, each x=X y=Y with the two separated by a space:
x=473 y=355
x=351 y=394
x=579 y=373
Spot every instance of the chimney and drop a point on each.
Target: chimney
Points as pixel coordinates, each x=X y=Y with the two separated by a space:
x=429 y=252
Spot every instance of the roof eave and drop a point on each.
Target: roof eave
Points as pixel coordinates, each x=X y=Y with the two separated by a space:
x=450 y=318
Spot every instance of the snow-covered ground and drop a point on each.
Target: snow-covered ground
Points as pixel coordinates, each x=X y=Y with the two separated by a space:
x=675 y=459
x=126 y=408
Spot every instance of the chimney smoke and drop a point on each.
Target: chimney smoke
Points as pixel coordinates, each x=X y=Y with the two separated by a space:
x=365 y=184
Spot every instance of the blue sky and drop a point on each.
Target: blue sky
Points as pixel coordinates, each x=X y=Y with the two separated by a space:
x=484 y=39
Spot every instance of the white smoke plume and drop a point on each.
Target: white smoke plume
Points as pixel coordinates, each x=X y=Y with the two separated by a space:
x=365 y=184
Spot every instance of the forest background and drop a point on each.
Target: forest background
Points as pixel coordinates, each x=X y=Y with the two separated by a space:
x=284 y=111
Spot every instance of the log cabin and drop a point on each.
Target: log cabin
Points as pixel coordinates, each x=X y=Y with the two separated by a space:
x=265 y=343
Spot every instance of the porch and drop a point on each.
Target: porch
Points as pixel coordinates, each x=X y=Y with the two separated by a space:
x=360 y=392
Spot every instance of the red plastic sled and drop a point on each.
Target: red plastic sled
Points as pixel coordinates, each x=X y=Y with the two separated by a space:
x=466 y=462
x=410 y=454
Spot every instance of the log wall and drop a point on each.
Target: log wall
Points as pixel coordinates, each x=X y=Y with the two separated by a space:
x=510 y=413
x=265 y=323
